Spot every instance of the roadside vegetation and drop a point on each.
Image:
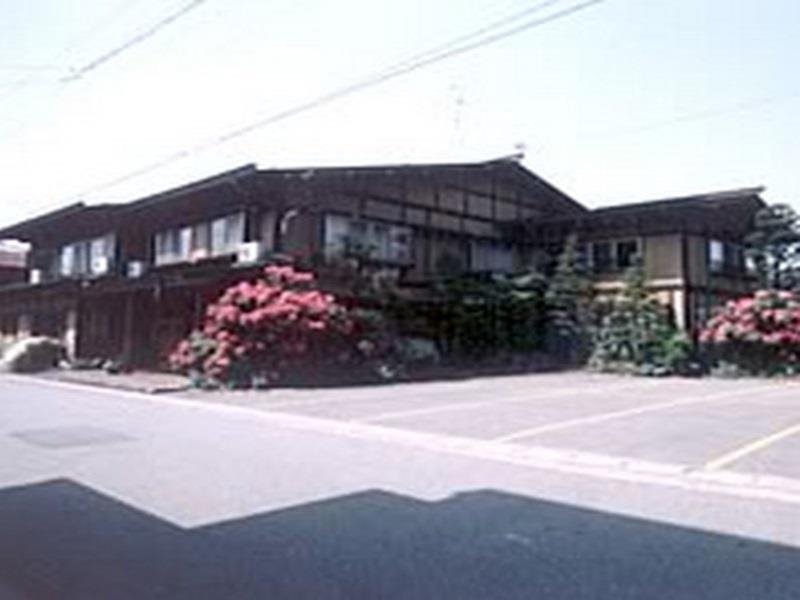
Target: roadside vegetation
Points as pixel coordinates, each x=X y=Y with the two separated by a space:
x=348 y=322
x=282 y=327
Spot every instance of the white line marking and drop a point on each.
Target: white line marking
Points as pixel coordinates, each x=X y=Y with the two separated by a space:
x=630 y=412
x=756 y=446
x=380 y=392
x=397 y=391
x=534 y=395
x=725 y=483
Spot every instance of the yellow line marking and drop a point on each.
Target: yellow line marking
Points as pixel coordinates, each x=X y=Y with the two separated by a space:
x=751 y=448
x=630 y=412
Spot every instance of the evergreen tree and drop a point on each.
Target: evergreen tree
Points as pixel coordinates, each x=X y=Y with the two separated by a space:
x=637 y=332
x=569 y=300
x=774 y=247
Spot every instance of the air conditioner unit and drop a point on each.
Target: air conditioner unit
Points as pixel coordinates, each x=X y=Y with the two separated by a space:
x=35 y=276
x=198 y=254
x=136 y=268
x=100 y=265
x=248 y=252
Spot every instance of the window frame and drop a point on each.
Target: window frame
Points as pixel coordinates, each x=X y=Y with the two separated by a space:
x=384 y=242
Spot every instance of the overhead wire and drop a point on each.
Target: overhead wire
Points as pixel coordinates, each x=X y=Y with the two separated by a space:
x=11 y=88
x=79 y=72
x=71 y=74
x=698 y=116
x=98 y=26
x=456 y=47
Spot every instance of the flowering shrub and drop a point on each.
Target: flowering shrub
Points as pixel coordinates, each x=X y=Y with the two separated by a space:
x=759 y=334
x=258 y=329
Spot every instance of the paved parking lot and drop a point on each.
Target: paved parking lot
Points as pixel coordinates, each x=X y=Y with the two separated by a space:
x=411 y=491
x=744 y=426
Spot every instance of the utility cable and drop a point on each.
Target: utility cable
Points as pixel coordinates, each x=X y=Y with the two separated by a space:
x=405 y=67
x=79 y=72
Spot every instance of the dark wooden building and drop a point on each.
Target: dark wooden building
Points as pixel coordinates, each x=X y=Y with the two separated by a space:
x=128 y=280
x=692 y=248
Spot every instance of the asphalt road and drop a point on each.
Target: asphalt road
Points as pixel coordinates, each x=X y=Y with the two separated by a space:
x=107 y=495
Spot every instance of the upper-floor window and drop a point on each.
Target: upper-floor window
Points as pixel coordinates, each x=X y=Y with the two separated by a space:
x=616 y=255
x=627 y=253
x=725 y=257
x=173 y=245
x=194 y=242
x=372 y=239
x=87 y=257
x=716 y=256
x=227 y=234
x=602 y=260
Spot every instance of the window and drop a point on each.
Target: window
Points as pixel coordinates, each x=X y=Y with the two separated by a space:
x=491 y=256
x=734 y=258
x=611 y=256
x=201 y=241
x=87 y=257
x=227 y=234
x=101 y=254
x=627 y=253
x=172 y=246
x=601 y=257
x=716 y=256
x=67 y=261
x=268 y=230
x=725 y=257
x=196 y=242
x=375 y=239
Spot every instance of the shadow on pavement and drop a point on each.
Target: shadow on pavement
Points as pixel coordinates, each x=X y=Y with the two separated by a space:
x=61 y=540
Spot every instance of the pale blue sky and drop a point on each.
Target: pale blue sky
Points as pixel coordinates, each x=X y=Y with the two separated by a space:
x=625 y=101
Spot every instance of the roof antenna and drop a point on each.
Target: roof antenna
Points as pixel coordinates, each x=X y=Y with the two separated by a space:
x=517 y=156
x=459 y=103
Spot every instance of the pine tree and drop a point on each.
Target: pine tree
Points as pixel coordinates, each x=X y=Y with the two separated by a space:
x=636 y=332
x=569 y=300
x=774 y=247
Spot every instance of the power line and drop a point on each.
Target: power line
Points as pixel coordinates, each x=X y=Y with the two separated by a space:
x=73 y=74
x=697 y=116
x=102 y=23
x=419 y=61
x=11 y=88
x=510 y=19
x=134 y=41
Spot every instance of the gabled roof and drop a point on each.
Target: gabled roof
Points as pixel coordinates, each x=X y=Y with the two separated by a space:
x=509 y=165
x=30 y=227
x=195 y=186
x=727 y=212
x=75 y=212
x=706 y=201
x=79 y=210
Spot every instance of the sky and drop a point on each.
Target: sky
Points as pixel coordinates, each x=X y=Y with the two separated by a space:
x=622 y=101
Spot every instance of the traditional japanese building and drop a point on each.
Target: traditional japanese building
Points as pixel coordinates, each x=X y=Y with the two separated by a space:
x=126 y=281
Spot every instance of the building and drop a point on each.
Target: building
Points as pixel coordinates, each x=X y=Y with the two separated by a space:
x=691 y=248
x=13 y=261
x=128 y=280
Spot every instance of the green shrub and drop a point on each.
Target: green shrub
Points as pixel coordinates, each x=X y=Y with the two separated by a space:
x=636 y=335
x=478 y=316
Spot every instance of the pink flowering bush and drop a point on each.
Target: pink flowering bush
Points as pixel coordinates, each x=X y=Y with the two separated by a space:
x=257 y=330
x=759 y=334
